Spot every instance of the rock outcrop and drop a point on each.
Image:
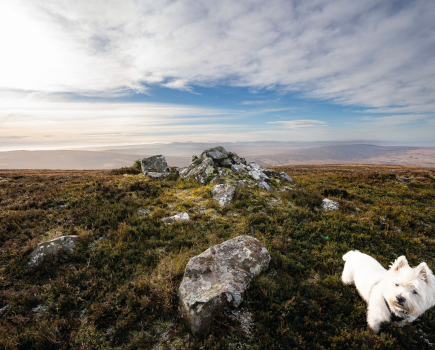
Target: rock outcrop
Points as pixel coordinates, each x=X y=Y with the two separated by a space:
x=223 y=194
x=218 y=277
x=49 y=247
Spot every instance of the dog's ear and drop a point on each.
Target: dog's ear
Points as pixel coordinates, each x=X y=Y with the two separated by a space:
x=400 y=263
x=423 y=272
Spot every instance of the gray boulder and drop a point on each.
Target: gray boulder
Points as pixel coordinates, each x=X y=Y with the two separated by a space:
x=199 y=171
x=155 y=164
x=237 y=169
x=215 y=153
x=49 y=247
x=236 y=159
x=285 y=177
x=218 y=278
x=223 y=194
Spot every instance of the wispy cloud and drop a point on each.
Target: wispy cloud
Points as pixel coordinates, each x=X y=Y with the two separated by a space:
x=395 y=119
x=367 y=53
x=301 y=123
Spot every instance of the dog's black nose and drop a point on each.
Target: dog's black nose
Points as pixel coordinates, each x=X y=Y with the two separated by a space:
x=401 y=300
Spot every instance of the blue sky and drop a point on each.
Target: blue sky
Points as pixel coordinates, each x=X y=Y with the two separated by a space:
x=90 y=73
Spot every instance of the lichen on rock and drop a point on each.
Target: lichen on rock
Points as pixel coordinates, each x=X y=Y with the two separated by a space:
x=219 y=277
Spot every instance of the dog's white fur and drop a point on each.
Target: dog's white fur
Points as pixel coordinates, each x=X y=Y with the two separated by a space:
x=408 y=291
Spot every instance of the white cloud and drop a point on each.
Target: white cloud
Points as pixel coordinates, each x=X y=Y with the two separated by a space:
x=370 y=53
x=301 y=123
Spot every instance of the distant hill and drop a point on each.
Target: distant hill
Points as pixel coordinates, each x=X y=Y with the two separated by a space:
x=264 y=153
x=353 y=154
x=73 y=160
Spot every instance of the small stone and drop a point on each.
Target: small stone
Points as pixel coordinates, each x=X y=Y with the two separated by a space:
x=218 y=278
x=154 y=175
x=223 y=194
x=143 y=212
x=258 y=175
x=285 y=177
x=3 y=309
x=329 y=205
x=287 y=188
x=183 y=216
x=237 y=169
x=223 y=172
x=254 y=166
x=40 y=310
x=263 y=185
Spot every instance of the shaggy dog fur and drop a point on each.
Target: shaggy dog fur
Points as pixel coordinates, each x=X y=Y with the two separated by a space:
x=400 y=294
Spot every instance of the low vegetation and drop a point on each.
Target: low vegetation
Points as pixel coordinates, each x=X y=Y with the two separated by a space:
x=118 y=288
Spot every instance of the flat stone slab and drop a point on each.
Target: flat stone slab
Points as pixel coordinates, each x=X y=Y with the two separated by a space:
x=223 y=194
x=219 y=277
x=49 y=247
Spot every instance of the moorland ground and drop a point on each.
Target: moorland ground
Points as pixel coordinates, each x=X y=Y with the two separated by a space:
x=118 y=288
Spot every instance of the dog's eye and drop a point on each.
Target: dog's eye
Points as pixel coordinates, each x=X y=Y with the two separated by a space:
x=397 y=285
x=414 y=292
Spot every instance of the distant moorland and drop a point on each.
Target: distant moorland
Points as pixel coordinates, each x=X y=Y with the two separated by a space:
x=264 y=153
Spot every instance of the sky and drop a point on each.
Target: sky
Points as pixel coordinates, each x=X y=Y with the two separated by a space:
x=80 y=73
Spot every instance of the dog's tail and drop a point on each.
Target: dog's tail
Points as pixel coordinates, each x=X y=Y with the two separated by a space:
x=349 y=253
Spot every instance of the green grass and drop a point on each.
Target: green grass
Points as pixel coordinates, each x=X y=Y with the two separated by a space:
x=118 y=289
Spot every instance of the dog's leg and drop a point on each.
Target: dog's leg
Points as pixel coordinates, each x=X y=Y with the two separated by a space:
x=347 y=276
x=373 y=321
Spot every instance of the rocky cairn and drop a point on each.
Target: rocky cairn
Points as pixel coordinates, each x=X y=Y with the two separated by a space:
x=217 y=166
x=214 y=164
x=218 y=278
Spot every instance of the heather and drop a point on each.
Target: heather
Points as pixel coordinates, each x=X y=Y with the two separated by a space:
x=118 y=288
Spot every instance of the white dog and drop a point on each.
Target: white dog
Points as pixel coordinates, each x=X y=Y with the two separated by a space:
x=400 y=294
